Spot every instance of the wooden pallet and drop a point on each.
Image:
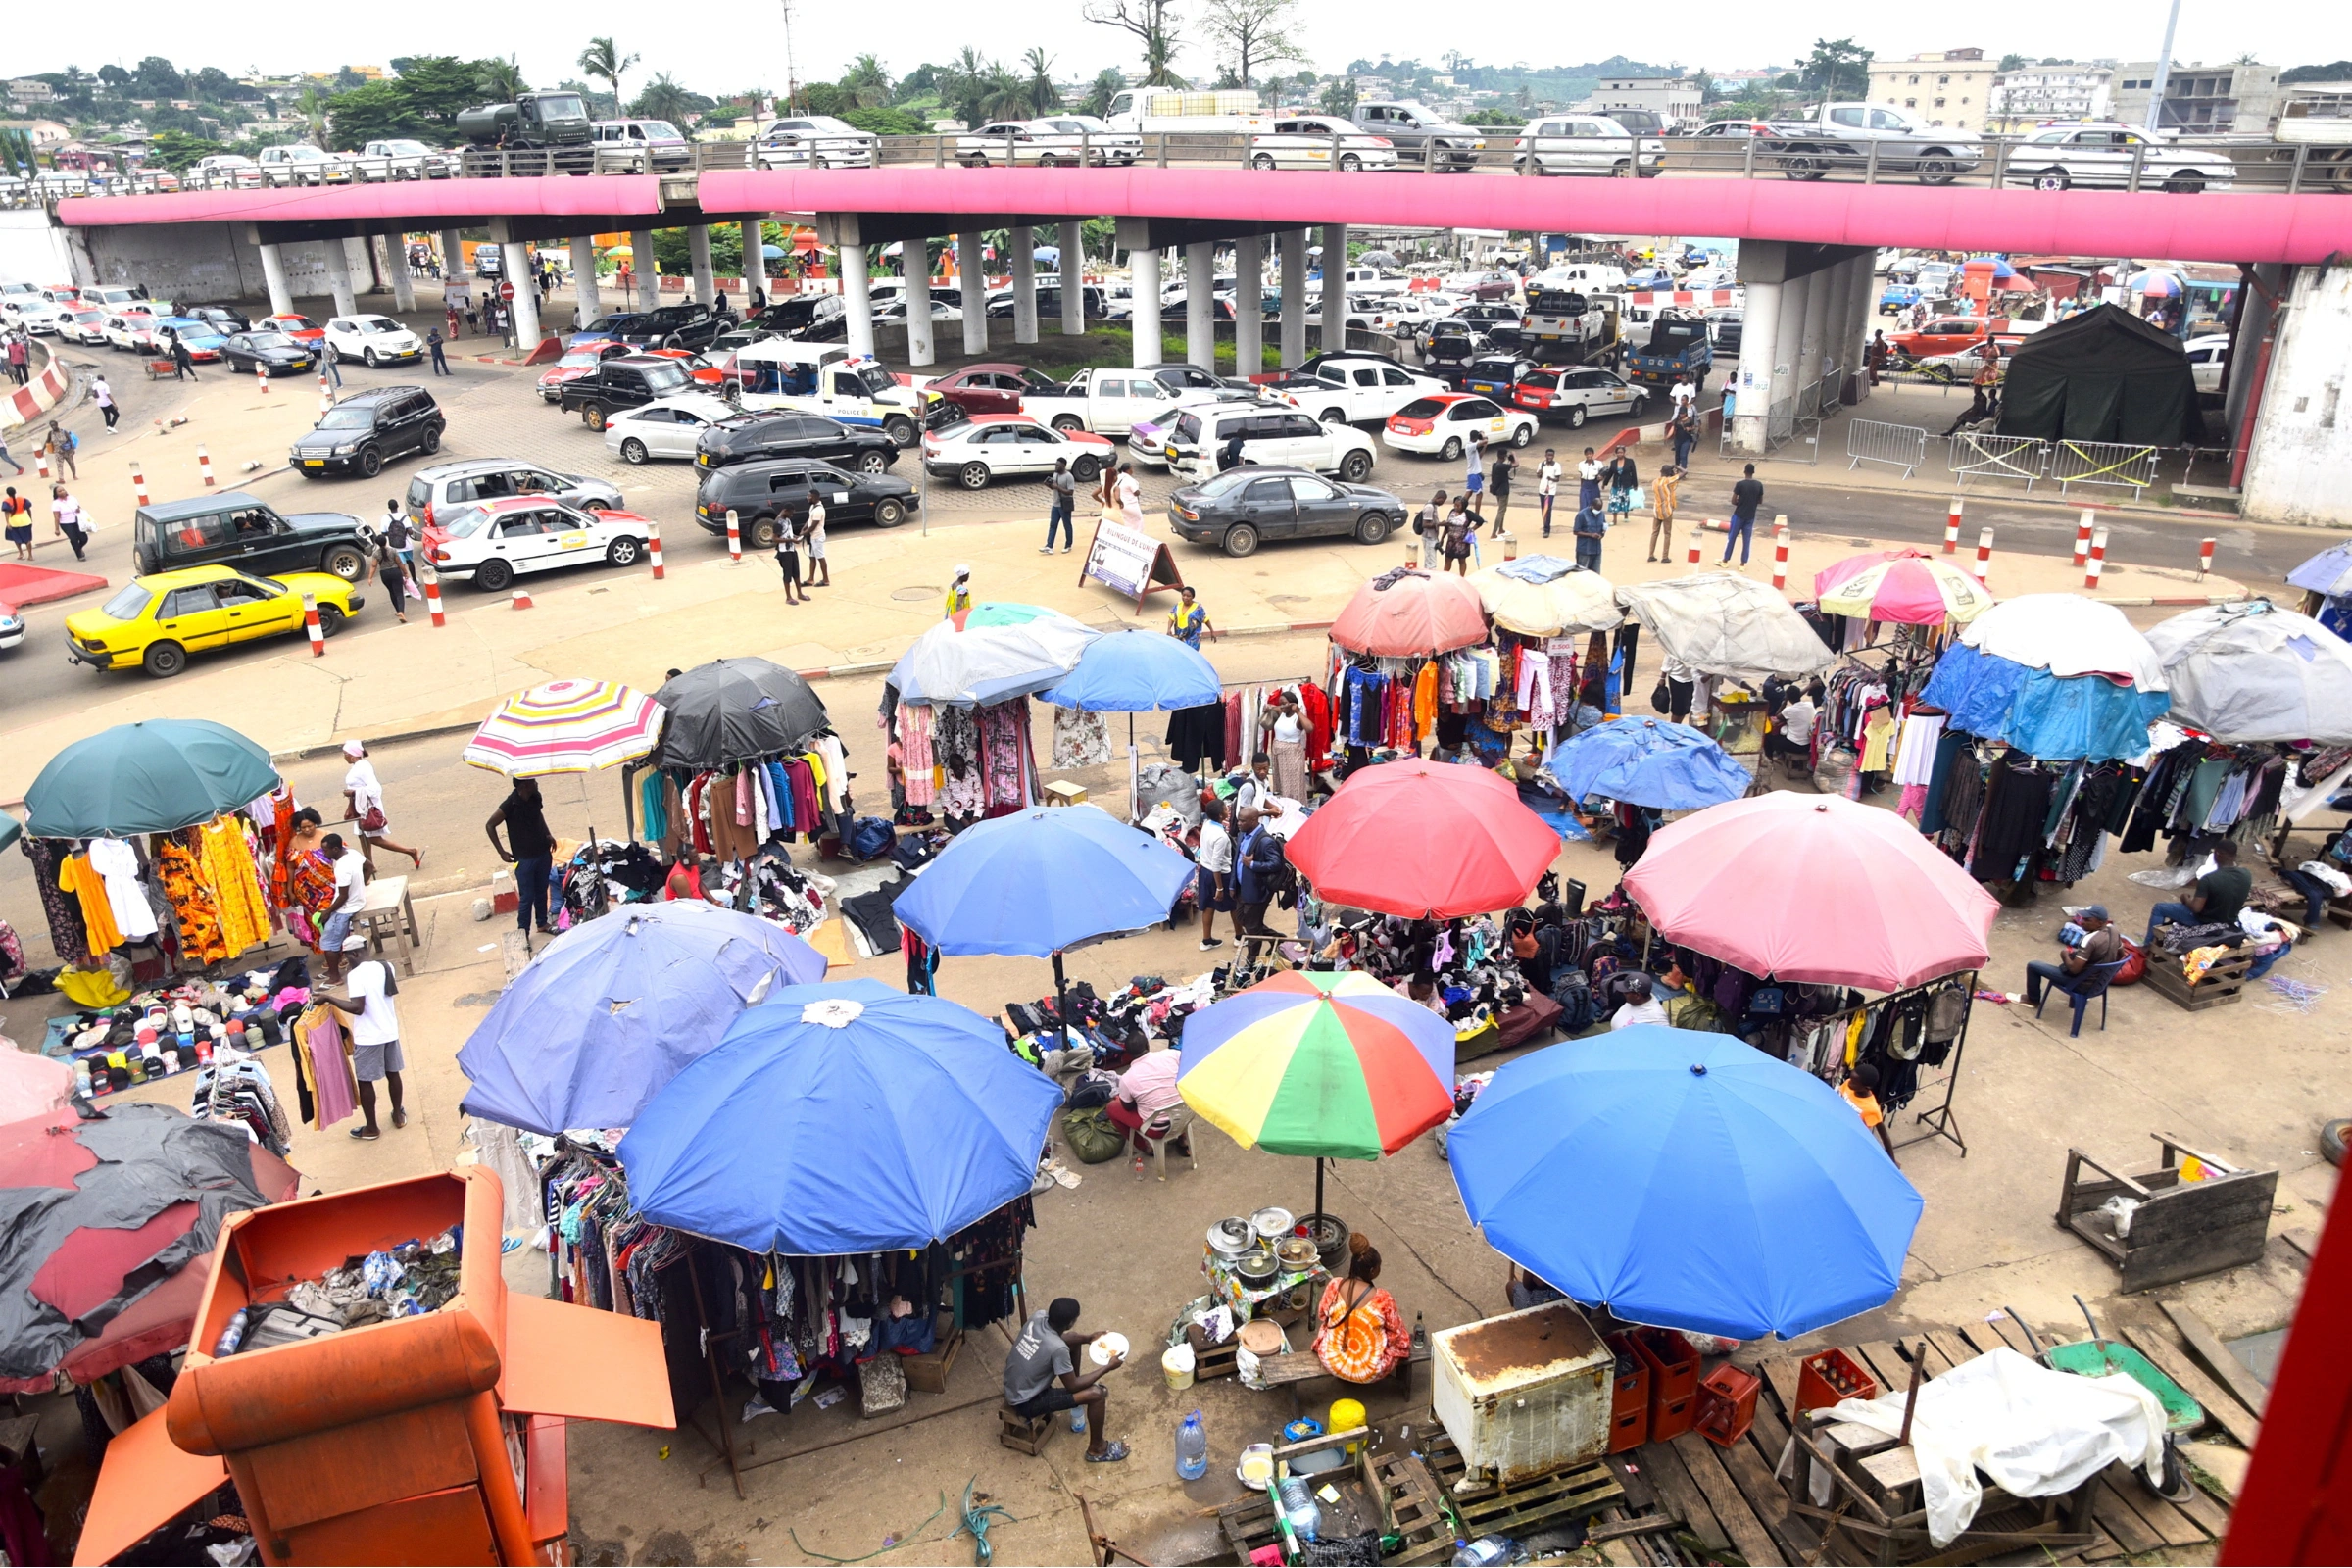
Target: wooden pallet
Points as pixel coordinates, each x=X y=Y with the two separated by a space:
x=2223 y=984
x=1561 y=1497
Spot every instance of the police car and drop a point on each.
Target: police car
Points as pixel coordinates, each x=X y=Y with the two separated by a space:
x=826 y=378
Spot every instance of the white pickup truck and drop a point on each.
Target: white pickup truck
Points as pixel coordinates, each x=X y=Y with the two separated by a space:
x=404 y=160
x=1114 y=401
x=1354 y=391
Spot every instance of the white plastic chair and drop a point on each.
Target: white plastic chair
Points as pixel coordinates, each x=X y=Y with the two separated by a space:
x=1162 y=1130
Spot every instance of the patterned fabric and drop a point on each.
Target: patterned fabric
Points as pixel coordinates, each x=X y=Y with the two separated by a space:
x=67 y=933
x=1003 y=752
x=1362 y=1343
x=1287 y=762
x=309 y=894
x=1080 y=738
x=227 y=858
x=191 y=895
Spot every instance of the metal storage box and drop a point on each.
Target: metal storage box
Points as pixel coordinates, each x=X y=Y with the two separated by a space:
x=1525 y=1394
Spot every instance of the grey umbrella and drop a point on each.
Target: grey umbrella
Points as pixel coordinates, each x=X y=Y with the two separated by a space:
x=2251 y=671
x=733 y=710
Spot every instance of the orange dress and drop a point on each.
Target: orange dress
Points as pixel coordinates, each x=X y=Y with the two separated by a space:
x=1359 y=1337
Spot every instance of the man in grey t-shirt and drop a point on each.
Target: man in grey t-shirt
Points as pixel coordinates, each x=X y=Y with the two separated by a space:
x=1041 y=1377
x=1064 y=486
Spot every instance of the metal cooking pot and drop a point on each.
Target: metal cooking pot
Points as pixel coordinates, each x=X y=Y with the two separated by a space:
x=1256 y=1267
x=1229 y=1239
x=1272 y=1224
x=1295 y=1253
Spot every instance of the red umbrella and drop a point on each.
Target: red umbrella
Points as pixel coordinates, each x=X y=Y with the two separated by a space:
x=1813 y=888
x=1411 y=612
x=1426 y=840
x=146 y=1147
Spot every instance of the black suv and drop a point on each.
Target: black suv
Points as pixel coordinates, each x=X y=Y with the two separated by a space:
x=762 y=492
x=810 y=437
x=654 y=329
x=366 y=430
x=241 y=531
x=627 y=383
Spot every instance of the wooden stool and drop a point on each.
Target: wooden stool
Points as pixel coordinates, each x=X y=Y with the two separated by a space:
x=1023 y=1434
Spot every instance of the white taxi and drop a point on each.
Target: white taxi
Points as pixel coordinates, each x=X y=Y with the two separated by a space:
x=1441 y=425
x=1000 y=446
x=494 y=542
x=374 y=339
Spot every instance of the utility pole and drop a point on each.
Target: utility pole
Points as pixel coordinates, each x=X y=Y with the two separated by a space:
x=2164 y=71
x=792 y=75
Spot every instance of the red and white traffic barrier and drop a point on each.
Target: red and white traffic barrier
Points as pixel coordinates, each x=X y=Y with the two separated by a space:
x=261 y=376
x=2083 y=537
x=1780 y=554
x=1951 y=528
x=1698 y=538
x=310 y=624
x=1984 y=554
x=432 y=582
x=138 y=483
x=2205 y=561
x=2098 y=560
x=522 y=599
x=326 y=394
x=204 y=466
x=40 y=462
x=734 y=538
x=653 y=547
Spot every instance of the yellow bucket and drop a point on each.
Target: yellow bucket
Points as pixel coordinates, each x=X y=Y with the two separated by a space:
x=1344 y=1415
x=1176 y=1364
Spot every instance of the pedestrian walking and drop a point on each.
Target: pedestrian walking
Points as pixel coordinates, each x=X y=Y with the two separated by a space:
x=183 y=364
x=1623 y=479
x=20 y=359
x=1064 y=488
x=102 y=395
x=333 y=363
x=73 y=525
x=1587 y=481
x=1428 y=527
x=456 y=327
x=812 y=534
x=1498 y=483
x=62 y=445
x=788 y=557
x=375 y=1057
x=1683 y=434
x=960 y=593
x=530 y=849
x=1461 y=527
x=433 y=341
x=393 y=572
x=1131 y=497
x=8 y=456
x=1747 y=496
x=1188 y=620
x=1548 y=486
x=363 y=803
x=16 y=514
x=1661 y=513
x=1592 y=527
x=1875 y=355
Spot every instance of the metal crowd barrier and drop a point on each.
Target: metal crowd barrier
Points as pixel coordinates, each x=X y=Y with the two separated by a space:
x=2115 y=462
x=1998 y=457
x=1905 y=446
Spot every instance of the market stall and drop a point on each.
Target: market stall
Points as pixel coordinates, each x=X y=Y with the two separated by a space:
x=1413 y=658
x=2326 y=583
x=1629 y=773
x=1130 y=672
x=1726 y=634
x=956 y=713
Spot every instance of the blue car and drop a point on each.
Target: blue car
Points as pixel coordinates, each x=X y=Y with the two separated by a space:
x=1651 y=280
x=204 y=340
x=606 y=328
x=1898 y=297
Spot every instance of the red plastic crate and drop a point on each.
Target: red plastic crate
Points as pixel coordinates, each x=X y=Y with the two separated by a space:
x=1629 y=1396
x=1673 y=1380
x=1727 y=1404
x=1829 y=1376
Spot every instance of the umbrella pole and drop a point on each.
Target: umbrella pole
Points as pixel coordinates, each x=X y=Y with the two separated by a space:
x=1061 y=1003
x=1318 y=1184
x=1134 y=777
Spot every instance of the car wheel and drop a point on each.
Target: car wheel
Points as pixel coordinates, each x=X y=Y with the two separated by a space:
x=492 y=576
x=973 y=476
x=1622 y=169
x=165 y=660
x=1575 y=418
x=331 y=619
x=1372 y=527
x=1086 y=471
x=624 y=552
x=1240 y=539
x=1048 y=161
x=345 y=562
x=889 y=512
x=761 y=533
x=1351 y=164
x=901 y=431
x=1525 y=434
x=1452 y=450
x=1333 y=416
x=1356 y=465
x=633 y=450
x=1800 y=167
x=2187 y=182
x=431 y=444
x=1067 y=423
x=872 y=462
x=370 y=461
x=1262 y=161
x=2052 y=179
x=368 y=355
x=593 y=414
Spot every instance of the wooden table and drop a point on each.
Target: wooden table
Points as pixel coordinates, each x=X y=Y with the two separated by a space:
x=389 y=911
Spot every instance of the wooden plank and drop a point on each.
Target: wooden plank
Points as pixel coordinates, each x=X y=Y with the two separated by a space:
x=1947 y=1351
x=2104 y=1549
x=2168 y=1358
x=2207 y=1347
x=2119 y=1520
x=1753 y=1476
x=1731 y=1510
x=2175 y=1527
x=1682 y=1494
x=1885 y=1364
x=1640 y=1496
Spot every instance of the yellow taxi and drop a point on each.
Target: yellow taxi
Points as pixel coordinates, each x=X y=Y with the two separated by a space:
x=156 y=621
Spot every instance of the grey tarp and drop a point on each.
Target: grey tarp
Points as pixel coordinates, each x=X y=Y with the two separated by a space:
x=1721 y=623
x=150 y=1158
x=2102 y=376
x=2251 y=671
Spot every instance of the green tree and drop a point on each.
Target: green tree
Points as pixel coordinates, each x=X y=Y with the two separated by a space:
x=376 y=111
x=499 y=81
x=665 y=99
x=884 y=120
x=213 y=86
x=1253 y=34
x=822 y=98
x=439 y=86
x=603 y=61
x=962 y=84
x=866 y=81
x=1107 y=84
x=1004 y=95
x=1155 y=27
x=176 y=150
x=1837 y=69
x=1339 y=97
x=15 y=152
x=1043 y=96
x=2010 y=62
x=920 y=82
x=157 y=77
x=114 y=76
x=346 y=79
x=2340 y=71
x=314 y=106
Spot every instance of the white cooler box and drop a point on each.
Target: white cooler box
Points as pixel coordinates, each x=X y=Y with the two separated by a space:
x=1525 y=1394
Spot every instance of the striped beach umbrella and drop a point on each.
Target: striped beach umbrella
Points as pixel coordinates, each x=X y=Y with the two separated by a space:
x=566 y=726
x=1902 y=586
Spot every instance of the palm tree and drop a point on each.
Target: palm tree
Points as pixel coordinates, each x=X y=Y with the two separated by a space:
x=1004 y=95
x=1044 y=97
x=311 y=106
x=501 y=81
x=1108 y=84
x=664 y=99
x=602 y=59
x=866 y=81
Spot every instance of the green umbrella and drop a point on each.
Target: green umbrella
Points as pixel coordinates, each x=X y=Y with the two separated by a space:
x=155 y=776
x=10 y=830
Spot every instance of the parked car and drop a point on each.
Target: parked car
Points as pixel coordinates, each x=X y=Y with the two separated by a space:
x=12 y=628
x=367 y=429
x=575 y=363
x=203 y=341
x=759 y=493
x=1495 y=375
x=1240 y=507
x=643 y=146
x=1286 y=437
x=1586 y=144
x=131 y=331
x=445 y=486
x=815 y=141
x=795 y=313
x=1443 y=422
x=494 y=542
x=627 y=381
x=155 y=621
x=1897 y=297
x=236 y=529
x=1321 y=141
x=993 y=388
x=1952 y=335
x=301 y=328
x=220 y=317
x=2105 y=154
x=611 y=328
x=124 y=297
x=672 y=428
x=1348 y=389
x=996 y=446
x=375 y=340
x=657 y=328
x=752 y=437
x=2208 y=360
x=85 y=325
x=1451 y=349
x=1576 y=393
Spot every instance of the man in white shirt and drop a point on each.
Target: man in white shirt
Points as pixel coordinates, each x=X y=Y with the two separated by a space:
x=813 y=538
x=1683 y=395
x=1548 y=486
x=1794 y=739
x=1640 y=1007
x=351 y=891
x=374 y=1040
x=1214 y=881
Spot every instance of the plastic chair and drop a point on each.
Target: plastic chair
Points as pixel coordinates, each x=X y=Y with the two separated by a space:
x=1161 y=1131
x=2092 y=982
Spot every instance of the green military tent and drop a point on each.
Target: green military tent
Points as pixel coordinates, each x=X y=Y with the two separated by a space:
x=2103 y=375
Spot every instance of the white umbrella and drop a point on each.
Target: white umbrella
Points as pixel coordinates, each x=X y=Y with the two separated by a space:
x=2067 y=634
x=975 y=662
x=1721 y=623
x=2251 y=671
x=1573 y=600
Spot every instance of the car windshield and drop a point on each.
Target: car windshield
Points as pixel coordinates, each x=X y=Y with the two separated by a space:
x=611 y=323
x=406 y=149
x=665 y=377
x=562 y=106
x=347 y=419
x=129 y=603
x=462 y=522
x=1224 y=484
x=1421 y=409
x=379 y=324
x=1542 y=378
x=1187 y=427
x=579 y=357
x=875 y=379
x=661 y=130
x=269 y=340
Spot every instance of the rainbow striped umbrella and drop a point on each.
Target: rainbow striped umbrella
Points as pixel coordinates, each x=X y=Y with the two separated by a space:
x=1314 y=1062
x=566 y=726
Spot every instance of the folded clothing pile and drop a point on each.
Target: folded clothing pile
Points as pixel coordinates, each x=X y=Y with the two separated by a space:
x=409 y=1279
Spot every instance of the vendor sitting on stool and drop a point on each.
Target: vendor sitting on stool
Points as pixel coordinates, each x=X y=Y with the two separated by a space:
x=1040 y=1378
x=2099 y=944
x=1359 y=1335
x=1146 y=1092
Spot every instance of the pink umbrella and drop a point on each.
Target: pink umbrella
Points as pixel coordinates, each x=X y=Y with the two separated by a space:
x=31 y=1085
x=1814 y=888
x=1411 y=612
x=1902 y=586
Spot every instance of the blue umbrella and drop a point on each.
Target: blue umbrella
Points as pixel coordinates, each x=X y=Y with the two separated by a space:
x=1047 y=254
x=842 y=1119
x=1134 y=672
x=2329 y=572
x=1686 y=1179
x=1669 y=767
x=614 y=1009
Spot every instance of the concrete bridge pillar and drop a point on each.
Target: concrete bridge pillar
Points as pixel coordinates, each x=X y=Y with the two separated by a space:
x=588 y=298
x=1335 y=288
x=525 y=303
x=1249 y=306
x=273 y=278
x=857 y=298
x=1292 y=243
x=698 y=259
x=1024 y=284
x=1143 y=264
x=1819 y=306
x=452 y=263
x=1073 y=279
x=396 y=269
x=754 y=265
x=338 y=277
x=1199 y=304
x=645 y=269
x=1761 y=265
x=915 y=263
x=971 y=279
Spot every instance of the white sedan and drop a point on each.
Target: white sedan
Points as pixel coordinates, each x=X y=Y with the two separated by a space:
x=815 y=141
x=1039 y=142
x=1321 y=141
x=131 y=331
x=1441 y=425
x=372 y=339
x=2106 y=154
x=1102 y=144
x=669 y=428
x=999 y=446
x=494 y=542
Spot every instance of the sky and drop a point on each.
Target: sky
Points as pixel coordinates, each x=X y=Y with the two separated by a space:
x=706 y=55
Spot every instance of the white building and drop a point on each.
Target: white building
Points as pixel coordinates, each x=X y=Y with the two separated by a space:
x=2031 y=94
x=1675 y=99
x=1944 y=87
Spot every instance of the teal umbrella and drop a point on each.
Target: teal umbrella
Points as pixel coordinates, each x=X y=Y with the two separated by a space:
x=155 y=776
x=10 y=830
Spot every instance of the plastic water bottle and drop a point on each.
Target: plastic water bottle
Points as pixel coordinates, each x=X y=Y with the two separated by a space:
x=1191 y=1448
x=233 y=1336
x=1078 y=1418
x=1488 y=1550
x=1300 y=1507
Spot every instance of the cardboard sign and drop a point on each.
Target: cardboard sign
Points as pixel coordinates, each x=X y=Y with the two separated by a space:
x=1130 y=562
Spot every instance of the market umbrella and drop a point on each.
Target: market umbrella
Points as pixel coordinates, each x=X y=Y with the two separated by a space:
x=32 y=1085
x=2252 y=671
x=990 y=653
x=111 y=1225
x=1424 y=840
x=1813 y=888
x=1722 y=623
x=1902 y=586
x=2155 y=284
x=2328 y=573
x=155 y=776
x=842 y=1119
x=1531 y=598
x=566 y=726
x=1136 y=671
x=10 y=830
x=1410 y=611
x=1647 y=761
x=732 y=710
x=1331 y=1064
x=2066 y=635
x=1686 y=1180
x=612 y=1009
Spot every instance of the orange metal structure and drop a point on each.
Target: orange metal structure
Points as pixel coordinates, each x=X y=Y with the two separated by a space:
x=434 y=1439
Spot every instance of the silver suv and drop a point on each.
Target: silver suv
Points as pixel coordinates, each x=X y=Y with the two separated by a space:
x=1419 y=132
x=435 y=490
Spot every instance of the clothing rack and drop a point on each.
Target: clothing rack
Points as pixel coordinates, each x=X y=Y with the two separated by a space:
x=1939 y=1120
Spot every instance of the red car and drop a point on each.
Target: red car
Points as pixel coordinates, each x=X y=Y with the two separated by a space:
x=301 y=328
x=991 y=389
x=1949 y=334
x=575 y=364
x=705 y=369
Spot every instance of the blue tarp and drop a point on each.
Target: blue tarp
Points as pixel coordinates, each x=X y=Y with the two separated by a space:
x=2043 y=714
x=1648 y=761
x=1135 y=672
x=2327 y=572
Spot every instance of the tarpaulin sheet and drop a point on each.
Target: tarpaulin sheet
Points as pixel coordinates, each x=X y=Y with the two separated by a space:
x=2040 y=714
x=1721 y=623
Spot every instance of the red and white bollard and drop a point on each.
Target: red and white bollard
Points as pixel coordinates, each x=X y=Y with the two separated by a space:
x=1951 y=528
x=734 y=538
x=326 y=394
x=2205 y=561
x=40 y=462
x=139 y=484
x=1780 y=554
x=261 y=376
x=430 y=581
x=310 y=624
x=2083 y=537
x=653 y=547
x=204 y=466
x=1984 y=554
x=1698 y=538
x=2098 y=560
x=522 y=599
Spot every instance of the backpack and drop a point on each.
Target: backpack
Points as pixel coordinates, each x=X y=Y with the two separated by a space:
x=870 y=838
x=1092 y=1090
x=1091 y=1136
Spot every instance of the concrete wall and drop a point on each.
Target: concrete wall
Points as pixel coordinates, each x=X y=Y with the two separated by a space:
x=2302 y=447
x=201 y=263
x=32 y=250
